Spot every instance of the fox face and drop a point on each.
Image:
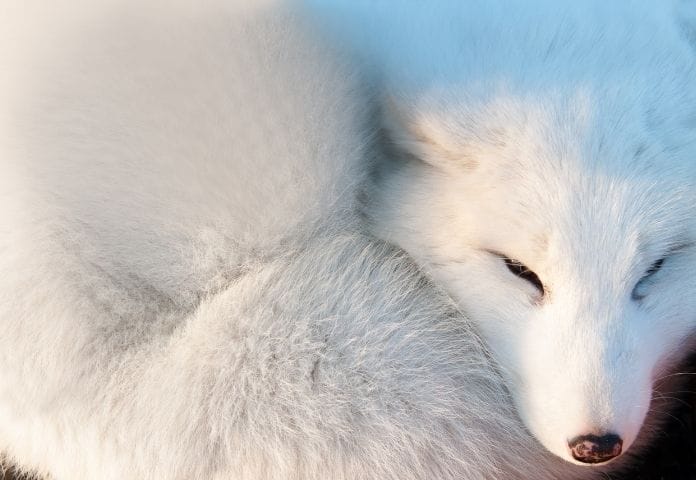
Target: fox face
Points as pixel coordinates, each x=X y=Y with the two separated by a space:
x=562 y=223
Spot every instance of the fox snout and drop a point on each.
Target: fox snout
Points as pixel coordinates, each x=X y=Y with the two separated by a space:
x=589 y=430
x=587 y=409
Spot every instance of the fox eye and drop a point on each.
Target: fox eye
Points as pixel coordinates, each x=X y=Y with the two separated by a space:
x=640 y=290
x=520 y=270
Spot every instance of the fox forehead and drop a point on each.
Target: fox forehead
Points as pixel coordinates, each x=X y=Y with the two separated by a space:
x=560 y=185
x=595 y=126
x=570 y=213
x=577 y=151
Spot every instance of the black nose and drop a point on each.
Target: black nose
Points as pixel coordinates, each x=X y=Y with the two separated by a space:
x=595 y=449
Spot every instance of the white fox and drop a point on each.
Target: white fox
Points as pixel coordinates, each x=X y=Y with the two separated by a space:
x=544 y=174
x=187 y=291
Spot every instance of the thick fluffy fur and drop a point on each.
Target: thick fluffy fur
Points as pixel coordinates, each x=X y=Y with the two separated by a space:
x=559 y=134
x=186 y=291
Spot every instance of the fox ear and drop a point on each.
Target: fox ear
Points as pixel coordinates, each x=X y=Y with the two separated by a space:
x=423 y=138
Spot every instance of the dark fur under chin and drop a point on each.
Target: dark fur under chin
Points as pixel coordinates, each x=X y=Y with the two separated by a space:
x=667 y=441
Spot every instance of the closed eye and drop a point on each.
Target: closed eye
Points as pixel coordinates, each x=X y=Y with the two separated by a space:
x=520 y=270
x=640 y=290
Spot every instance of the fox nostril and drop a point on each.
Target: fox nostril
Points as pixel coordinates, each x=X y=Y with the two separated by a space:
x=595 y=449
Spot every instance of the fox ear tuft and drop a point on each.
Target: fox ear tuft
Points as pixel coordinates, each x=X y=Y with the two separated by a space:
x=422 y=138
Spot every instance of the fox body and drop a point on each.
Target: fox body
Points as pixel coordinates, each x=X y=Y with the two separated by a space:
x=188 y=290
x=543 y=173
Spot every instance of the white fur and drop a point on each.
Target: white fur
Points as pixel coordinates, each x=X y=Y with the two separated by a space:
x=560 y=134
x=185 y=289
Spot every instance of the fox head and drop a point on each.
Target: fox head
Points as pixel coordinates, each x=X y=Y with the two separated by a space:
x=541 y=168
x=563 y=224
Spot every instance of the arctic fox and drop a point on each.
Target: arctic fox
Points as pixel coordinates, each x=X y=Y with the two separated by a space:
x=544 y=174
x=187 y=288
